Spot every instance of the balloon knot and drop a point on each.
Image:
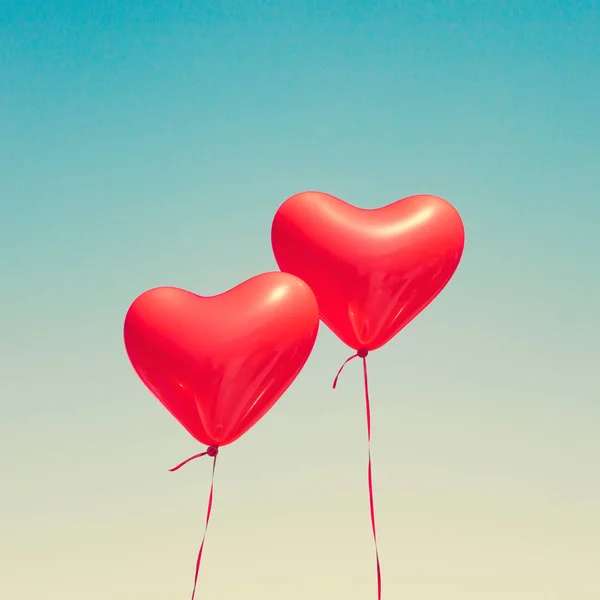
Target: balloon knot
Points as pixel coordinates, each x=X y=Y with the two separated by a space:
x=212 y=451
x=362 y=352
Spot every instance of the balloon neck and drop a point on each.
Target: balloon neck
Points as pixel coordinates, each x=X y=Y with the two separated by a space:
x=362 y=353
x=212 y=451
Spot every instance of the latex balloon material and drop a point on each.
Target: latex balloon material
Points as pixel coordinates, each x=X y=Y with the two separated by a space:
x=372 y=270
x=219 y=363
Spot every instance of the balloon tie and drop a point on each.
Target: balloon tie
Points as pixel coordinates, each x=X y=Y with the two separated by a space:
x=362 y=353
x=213 y=452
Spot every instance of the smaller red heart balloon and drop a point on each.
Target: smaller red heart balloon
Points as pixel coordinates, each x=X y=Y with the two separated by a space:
x=372 y=270
x=219 y=363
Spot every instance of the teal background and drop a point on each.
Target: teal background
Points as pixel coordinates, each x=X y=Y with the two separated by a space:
x=150 y=143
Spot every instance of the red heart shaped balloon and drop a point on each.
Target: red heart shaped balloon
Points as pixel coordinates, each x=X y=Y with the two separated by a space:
x=372 y=270
x=219 y=363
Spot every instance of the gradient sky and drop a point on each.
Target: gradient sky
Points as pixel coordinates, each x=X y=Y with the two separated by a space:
x=150 y=143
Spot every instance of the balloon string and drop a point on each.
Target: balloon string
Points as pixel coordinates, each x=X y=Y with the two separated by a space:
x=371 y=501
x=212 y=451
x=342 y=368
x=363 y=354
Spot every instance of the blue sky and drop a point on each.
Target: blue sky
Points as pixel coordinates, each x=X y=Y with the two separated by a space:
x=146 y=144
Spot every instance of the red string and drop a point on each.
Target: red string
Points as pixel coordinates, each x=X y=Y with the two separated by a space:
x=362 y=353
x=342 y=368
x=212 y=451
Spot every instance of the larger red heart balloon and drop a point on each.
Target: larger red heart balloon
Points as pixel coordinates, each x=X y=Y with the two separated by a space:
x=219 y=363
x=372 y=270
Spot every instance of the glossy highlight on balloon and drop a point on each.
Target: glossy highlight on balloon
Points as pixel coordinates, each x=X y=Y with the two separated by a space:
x=219 y=364
x=372 y=270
